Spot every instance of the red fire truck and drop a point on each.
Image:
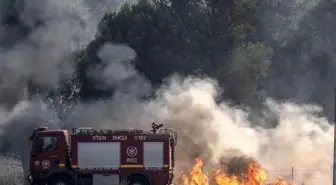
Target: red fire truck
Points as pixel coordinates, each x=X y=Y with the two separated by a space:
x=90 y=156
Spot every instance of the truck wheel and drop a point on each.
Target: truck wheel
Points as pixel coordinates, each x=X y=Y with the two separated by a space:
x=59 y=180
x=138 y=180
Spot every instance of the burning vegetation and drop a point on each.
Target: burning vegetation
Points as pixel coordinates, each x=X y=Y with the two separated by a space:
x=254 y=175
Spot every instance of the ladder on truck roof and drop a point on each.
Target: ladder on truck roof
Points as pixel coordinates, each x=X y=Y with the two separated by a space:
x=91 y=131
x=156 y=129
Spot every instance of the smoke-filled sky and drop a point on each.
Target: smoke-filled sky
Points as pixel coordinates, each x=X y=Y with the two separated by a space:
x=303 y=138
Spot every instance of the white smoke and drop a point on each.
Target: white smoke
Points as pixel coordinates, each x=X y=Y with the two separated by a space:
x=301 y=139
x=38 y=48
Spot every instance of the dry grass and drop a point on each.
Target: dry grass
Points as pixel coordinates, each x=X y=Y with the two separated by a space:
x=11 y=180
x=11 y=177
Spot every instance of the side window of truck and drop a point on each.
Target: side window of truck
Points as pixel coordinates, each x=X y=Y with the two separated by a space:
x=48 y=143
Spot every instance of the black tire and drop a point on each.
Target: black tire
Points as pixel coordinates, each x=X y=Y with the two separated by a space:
x=138 y=180
x=60 y=180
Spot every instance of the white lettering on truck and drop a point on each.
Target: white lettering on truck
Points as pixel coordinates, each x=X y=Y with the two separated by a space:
x=99 y=138
x=122 y=138
x=132 y=160
x=142 y=138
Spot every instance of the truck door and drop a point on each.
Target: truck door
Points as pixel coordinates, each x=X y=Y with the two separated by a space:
x=44 y=154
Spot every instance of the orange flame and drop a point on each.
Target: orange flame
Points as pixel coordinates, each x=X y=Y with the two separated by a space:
x=197 y=177
x=254 y=176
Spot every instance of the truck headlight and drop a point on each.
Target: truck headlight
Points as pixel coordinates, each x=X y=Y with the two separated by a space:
x=30 y=179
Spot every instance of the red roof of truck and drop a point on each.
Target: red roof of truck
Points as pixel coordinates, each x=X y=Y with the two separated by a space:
x=53 y=131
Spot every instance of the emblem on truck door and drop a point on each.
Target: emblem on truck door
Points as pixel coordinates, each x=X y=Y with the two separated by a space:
x=45 y=164
x=132 y=151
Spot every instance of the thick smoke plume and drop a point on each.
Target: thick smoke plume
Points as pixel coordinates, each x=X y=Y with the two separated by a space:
x=37 y=40
x=303 y=33
x=302 y=138
x=213 y=130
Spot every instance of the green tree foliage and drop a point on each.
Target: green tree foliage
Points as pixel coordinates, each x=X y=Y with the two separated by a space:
x=189 y=37
x=249 y=67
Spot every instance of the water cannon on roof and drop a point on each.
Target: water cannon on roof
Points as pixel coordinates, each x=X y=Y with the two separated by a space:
x=156 y=127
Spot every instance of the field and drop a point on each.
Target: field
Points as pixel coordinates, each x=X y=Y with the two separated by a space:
x=11 y=174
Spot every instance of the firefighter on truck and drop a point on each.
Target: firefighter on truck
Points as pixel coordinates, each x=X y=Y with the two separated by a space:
x=90 y=156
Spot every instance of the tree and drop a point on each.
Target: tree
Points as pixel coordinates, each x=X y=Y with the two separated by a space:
x=190 y=37
x=249 y=67
x=304 y=67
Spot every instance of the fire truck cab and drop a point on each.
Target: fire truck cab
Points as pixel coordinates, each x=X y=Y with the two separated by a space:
x=90 y=156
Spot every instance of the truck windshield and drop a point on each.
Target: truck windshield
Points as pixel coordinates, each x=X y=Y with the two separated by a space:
x=46 y=143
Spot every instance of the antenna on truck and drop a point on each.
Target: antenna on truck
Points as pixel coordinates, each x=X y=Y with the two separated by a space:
x=156 y=127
